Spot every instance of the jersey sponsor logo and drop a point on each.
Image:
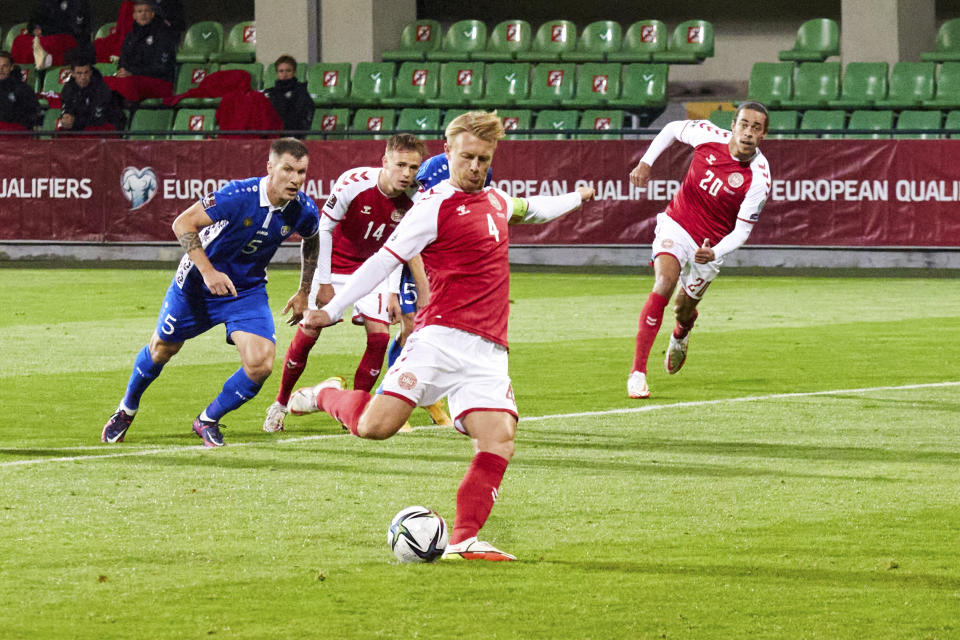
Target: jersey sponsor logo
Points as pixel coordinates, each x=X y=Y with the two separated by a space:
x=462 y=210
x=648 y=33
x=464 y=77
x=555 y=77
x=494 y=201
x=139 y=186
x=198 y=75
x=423 y=32
x=513 y=32
x=735 y=180
x=285 y=230
x=419 y=77
x=397 y=215
x=250 y=34
x=366 y=210
x=407 y=380
x=331 y=78
x=600 y=84
x=558 y=33
x=711 y=159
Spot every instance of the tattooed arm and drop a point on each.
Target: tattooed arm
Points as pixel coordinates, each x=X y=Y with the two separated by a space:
x=187 y=228
x=297 y=305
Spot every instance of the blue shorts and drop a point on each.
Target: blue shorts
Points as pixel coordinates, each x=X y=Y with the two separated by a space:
x=183 y=317
x=408 y=292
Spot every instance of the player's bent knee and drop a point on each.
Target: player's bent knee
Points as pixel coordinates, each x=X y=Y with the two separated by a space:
x=375 y=429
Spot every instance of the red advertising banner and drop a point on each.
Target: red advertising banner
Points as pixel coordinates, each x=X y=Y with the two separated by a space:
x=896 y=193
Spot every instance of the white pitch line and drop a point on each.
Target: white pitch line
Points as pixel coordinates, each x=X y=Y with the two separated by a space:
x=556 y=416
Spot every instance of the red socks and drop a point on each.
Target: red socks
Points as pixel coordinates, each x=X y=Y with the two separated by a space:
x=344 y=405
x=372 y=361
x=681 y=329
x=294 y=362
x=476 y=495
x=651 y=316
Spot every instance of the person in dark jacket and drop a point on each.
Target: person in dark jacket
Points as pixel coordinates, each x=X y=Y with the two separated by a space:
x=55 y=27
x=290 y=97
x=148 y=59
x=19 y=109
x=88 y=103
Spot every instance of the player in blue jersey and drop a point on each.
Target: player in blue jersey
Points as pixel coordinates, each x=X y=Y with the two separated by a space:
x=229 y=238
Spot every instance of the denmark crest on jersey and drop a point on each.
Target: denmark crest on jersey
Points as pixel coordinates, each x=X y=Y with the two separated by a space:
x=735 y=180
x=494 y=201
x=397 y=215
x=407 y=380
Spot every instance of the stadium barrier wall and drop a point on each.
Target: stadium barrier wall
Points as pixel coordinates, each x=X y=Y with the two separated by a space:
x=826 y=194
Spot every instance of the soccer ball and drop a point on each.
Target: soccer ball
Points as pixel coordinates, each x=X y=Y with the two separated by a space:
x=417 y=534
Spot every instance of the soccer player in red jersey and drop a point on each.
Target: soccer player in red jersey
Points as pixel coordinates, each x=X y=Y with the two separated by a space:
x=366 y=205
x=712 y=214
x=459 y=347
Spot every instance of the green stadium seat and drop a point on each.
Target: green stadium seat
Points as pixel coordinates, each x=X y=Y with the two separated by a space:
x=816 y=41
x=596 y=41
x=953 y=122
x=555 y=120
x=771 y=83
x=416 y=83
x=105 y=30
x=506 y=83
x=106 y=68
x=329 y=82
x=191 y=74
x=201 y=41
x=948 y=88
x=270 y=74
x=722 y=118
x=32 y=77
x=518 y=120
x=417 y=40
x=928 y=121
x=255 y=69
x=460 y=83
x=948 y=43
x=863 y=84
x=506 y=40
x=911 y=83
x=822 y=119
x=597 y=84
x=779 y=121
x=462 y=39
x=329 y=120
x=373 y=120
x=552 y=39
x=644 y=85
x=372 y=82
x=200 y=120
x=601 y=120
x=641 y=41
x=862 y=119
x=691 y=43
x=54 y=78
x=552 y=84
x=160 y=120
x=816 y=83
x=419 y=120
x=12 y=33
x=240 y=46
x=449 y=115
x=51 y=122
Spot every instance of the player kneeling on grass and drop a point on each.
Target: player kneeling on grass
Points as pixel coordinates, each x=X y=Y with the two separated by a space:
x=229 y=238
x=459 y=347
x=712 y=214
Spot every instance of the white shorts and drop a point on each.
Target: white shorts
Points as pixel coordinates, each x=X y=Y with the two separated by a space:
x=372 y=306
x=671 y=238
x=440 y=361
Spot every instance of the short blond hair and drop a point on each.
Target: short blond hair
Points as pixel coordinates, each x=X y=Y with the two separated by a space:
x=485 y=125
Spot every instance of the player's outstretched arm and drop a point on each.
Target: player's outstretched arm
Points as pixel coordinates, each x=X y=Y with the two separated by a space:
x=298 y=303
x=187 y=228
x=540 y=209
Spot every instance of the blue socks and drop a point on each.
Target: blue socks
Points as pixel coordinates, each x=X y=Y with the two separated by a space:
x=393 y=352
x=236 y=390
x=145 y=371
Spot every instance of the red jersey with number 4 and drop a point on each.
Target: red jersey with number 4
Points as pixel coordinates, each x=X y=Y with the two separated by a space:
x=360 y=217
x=718 y=188
x=464 y=241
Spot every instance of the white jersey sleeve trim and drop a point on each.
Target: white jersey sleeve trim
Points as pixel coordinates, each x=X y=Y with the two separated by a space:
x=345 y=189
x=670 y=133
x=418 y=228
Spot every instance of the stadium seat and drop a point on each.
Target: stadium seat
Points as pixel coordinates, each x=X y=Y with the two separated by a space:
x=373 y=120
x=552 y=84
x=201 y=41
x=596 y=41
x=416 y=120
x=105 y=30
x=190 y=75
x=51 y=122
x=722 y=118
x=416 y=83
x=601 y=120
x=863 y=84
x=947 y=94
x=816 y=83
x=948 y=43
x=372 y=82
x=329 y=120
x=928 y=121
x=779 y=121
x=506 y=83
x=54 y=79
x=911 y=83
x=461 y=40
x=691 y=43
x=106 y=68
x=518 y=120
x=329 y=82
x=449 y=115
x=32 y=77
x=771 y=83
x=822 y=119
x=270 y=74
x=194 y=120
x=12 y=33
x=597 y=84
x=255 y=69
x=159 y=120
x=816 y=41
x=555 y=120
x=506 y=39
x=417 y=40
x=240 y=46
x=953 y=122
x=862 y=119
x=552 y=39
x=640 y=42
x=460 y=83
x=644 y=85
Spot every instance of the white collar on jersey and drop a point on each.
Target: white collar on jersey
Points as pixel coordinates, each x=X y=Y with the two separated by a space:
x=264 y=201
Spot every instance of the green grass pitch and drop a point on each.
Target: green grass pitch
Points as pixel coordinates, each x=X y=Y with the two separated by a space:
x=798 y=479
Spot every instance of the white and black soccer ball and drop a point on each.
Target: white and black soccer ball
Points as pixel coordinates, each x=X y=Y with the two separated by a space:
x=417 y=534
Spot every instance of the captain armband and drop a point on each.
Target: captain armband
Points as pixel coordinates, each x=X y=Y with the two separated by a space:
x=520 y=207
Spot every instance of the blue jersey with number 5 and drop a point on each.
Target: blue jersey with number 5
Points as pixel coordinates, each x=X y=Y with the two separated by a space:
x=436 y=169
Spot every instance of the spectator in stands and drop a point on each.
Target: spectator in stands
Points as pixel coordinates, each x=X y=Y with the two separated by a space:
x=290 y=97
x=88 y=103
x=19 y=109
x=171 y=12
x=148 y=59
x=55 y=27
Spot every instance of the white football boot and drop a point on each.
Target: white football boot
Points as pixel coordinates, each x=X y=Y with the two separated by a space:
x=274 y=420
x=676 y=354
x=304 y=401
x=473 y=549
x=637 y=385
